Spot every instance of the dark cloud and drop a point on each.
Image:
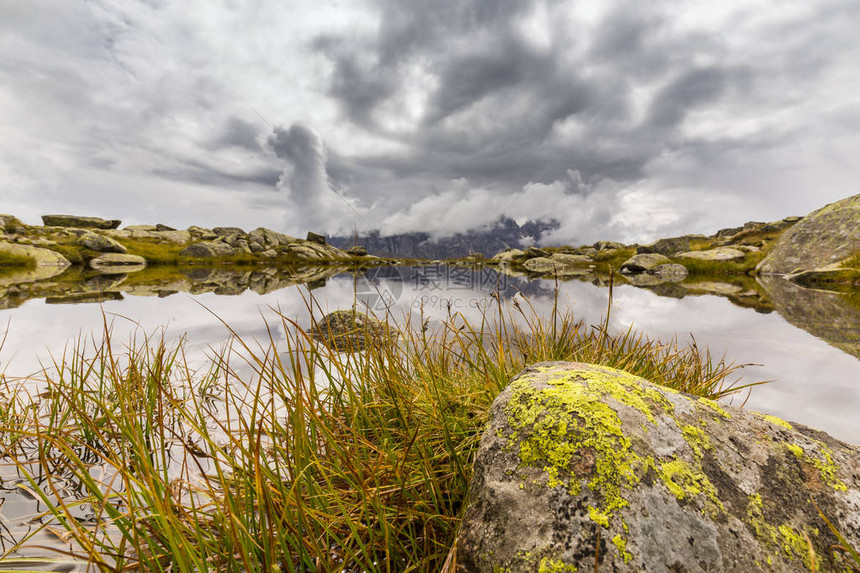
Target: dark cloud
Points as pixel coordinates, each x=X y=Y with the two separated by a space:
x=436 y=115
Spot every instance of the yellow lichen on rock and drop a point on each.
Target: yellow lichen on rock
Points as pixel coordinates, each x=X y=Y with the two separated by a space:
x=825 y=465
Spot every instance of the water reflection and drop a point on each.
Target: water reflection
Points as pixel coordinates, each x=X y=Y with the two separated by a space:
x=816 y=384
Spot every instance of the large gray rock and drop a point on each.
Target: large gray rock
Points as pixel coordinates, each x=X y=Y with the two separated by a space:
x=79 y=222
x=643 y=262
x=666 y=246
x=101 y=244
x=823 y=238
x=580 y=459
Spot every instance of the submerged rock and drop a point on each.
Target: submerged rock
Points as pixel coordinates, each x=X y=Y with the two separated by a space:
x=824 y=237
x=584 y=466
x=79 y=222
x=349 y=330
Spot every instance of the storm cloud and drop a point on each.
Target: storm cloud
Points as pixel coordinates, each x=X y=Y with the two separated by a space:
x=621 y=120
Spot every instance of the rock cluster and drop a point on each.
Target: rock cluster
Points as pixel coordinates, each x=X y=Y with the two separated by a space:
x=586 y=467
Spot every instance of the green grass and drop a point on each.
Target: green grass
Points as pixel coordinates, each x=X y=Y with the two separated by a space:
x=286 y=455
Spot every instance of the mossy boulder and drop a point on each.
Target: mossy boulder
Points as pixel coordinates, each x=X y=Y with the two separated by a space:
x=824 y=238
x=584 y=466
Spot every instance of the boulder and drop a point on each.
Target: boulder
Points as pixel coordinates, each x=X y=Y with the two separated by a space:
x=643 y=262
x=207 y=249
x=585 y=468
x=41 y=257
x=509 y=255
x=160 y=227
x=101 y=244
x=316 y=238
x=269 y=238
x=720 y=254
x=227 y=231
x=824 y=237
x=140 y=228
x=110 y=263
x=7 y=221
x=308 y=251
x=349 y=330
x=534 y=252
x=666 y=247
x=201 y=234
x=606 y=245
x=357 y=251
x=79 y=222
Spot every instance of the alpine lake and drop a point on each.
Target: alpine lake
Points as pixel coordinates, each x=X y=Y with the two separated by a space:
x=805 y=343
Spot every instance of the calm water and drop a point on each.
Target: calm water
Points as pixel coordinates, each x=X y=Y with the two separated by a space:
x=814 y=382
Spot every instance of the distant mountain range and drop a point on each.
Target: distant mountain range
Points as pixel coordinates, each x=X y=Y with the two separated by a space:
x=488 y=241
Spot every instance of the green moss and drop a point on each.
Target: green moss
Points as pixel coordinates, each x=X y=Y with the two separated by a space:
x=823 y=463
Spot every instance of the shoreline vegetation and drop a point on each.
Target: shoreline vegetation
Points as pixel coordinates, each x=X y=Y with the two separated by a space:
x=297 y=455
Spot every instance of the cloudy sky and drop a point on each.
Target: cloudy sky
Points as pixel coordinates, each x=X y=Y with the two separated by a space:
x=622 y=120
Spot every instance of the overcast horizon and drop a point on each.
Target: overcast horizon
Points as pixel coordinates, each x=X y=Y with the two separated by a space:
x=620 y=120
